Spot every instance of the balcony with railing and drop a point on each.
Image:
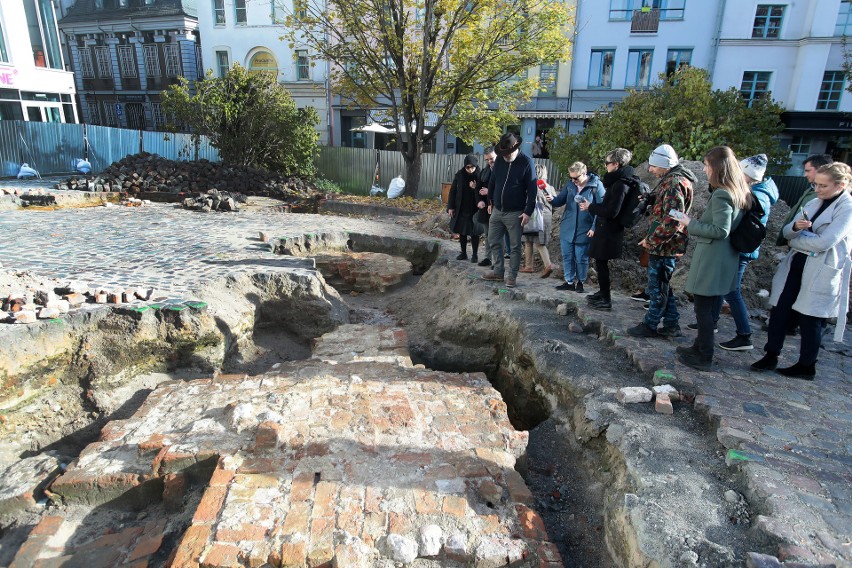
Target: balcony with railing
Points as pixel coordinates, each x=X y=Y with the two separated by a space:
x=645 y=21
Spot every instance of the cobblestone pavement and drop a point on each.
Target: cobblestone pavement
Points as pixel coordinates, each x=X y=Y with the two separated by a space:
x=157 y=246
x=789 y=437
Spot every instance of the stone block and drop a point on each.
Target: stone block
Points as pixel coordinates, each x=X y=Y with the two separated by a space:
x=101 y=298
x=264 y=237
x=75 y=299
x=663 y=404
x=25 y=316
x=632 y=395
x=115 y=297
x=48 y=313
x=456 y=547
x=562 y=310
x=62 y=305
x=431 y=539
x=401 y=548
x=666 y=389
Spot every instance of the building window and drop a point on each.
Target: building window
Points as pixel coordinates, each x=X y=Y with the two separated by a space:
x=639 y=67
x=172 y=54
x=830 y=91
x=600 y=68
x=303 y=66
x=767 y=21
x=87 y=70
x=548 y=75
x=222 y=63
x=126 y=61
x=677 y=58
x=44 y=37
x=94 y=115
x=104 y=63
x=800 y=145
x=755 y=85
x=158 y=115
x=4 y=57
x=219 y=12
x=263 y=61
x=240 y=11
x=301 y=8
x=669 y=9
x=844 y=19
x=152 y=60
x=278 y=12
x=110 y=117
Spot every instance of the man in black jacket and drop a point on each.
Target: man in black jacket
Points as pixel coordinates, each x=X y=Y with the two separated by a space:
x=511 y=198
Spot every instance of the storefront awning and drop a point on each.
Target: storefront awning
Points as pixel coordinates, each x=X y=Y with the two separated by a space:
x=838 y=122
x=554 y=114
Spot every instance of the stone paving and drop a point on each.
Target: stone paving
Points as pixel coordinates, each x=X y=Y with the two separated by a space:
x=790 y=438
x=354 y=458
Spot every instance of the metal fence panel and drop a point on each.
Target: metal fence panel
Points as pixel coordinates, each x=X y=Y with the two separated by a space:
x=790 y=188
x=52 y=147
x=353 y=169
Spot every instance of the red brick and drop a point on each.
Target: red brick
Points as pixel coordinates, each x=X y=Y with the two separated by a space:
x=293 y=555
x=174 y=490
x=146 y=546
x=221 y=556
x=48 y=525
x=268 y=435
x=191 y=545
x=152 y=445
x=29 y=552
x=325 y=497
x=373 y=500
x=211 y=503
x=426 y=502
x=297 y=519
x=121 y=539
x=375 y=527
x=322 y=543
x=302 y=486
x=663 y=404
x=221 y=477
x=518 y=490
x=455 y=505
x=399 y=523
x=531 y=523
x=244 y=532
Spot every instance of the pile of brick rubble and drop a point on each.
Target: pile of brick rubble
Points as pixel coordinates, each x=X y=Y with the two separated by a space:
x=28 y=305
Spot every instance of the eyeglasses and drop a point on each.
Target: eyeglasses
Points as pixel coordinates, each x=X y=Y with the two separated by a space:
x=611 y=163
x=575 y=178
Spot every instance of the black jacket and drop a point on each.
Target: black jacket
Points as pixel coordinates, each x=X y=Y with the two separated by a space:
x=512 y=185
x=608 y=241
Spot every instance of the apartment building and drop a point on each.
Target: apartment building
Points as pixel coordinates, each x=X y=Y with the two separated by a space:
x=124 y=53
x=34 y=85
x=249 y=32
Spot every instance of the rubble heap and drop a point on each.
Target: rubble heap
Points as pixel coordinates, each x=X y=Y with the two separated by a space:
x=215 y=200
x=146 y=172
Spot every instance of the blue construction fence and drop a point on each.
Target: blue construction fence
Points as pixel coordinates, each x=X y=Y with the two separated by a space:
x=53 y=147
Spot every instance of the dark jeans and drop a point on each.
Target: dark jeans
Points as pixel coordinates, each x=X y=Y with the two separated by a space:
x=705 y=312
x=602 y=267
x=811 y=328
x=663 y=305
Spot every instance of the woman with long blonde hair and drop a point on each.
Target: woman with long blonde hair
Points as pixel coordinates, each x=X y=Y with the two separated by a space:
x=715 y=263
x=813 y=279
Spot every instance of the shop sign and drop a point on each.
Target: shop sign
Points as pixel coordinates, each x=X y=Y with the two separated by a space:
x=8 y=77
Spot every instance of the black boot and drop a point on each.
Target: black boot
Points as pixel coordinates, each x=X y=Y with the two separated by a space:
x=696 y=361
x=768 y=363
x=462 y=256
x=799 y=371
x=485 y=262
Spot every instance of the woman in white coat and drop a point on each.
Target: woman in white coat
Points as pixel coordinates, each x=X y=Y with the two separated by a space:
x=813 y=279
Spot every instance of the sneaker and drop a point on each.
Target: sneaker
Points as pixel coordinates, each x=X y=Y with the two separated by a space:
x=670 y=331
x=642 y=330
x=646 y=305
x=579 y=288
x=739 y=343
x=474 y=259
x=566 y=286
x=694 y=327
x=492 y=276
x=462 y=256
x=640 y=296
x=485 y=262
x=507 y=256
x=694 y=360
x=511 y=282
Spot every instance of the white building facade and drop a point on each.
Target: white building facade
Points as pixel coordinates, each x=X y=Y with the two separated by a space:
x=248 y=32
x=792 y=50
x=34 y=85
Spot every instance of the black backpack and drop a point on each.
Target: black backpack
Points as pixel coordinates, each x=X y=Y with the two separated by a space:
x=749 y=234
x=639 y=197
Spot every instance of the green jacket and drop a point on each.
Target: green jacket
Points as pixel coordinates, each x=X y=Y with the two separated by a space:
x=794 y=210
x=715 y=262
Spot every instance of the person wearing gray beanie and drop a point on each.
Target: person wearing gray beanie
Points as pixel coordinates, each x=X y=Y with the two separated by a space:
x=665 y=242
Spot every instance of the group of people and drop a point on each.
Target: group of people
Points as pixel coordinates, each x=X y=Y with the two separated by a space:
x=810 y=286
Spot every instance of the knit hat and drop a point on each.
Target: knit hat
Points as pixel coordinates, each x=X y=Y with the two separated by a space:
x=663 y=156
x=755 y=166
x=470 y=160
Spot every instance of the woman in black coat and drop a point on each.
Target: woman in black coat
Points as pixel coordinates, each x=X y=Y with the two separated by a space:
x=608 y=240
x=461 y=205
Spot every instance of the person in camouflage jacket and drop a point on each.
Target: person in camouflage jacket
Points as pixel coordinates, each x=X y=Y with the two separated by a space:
x=665 y=242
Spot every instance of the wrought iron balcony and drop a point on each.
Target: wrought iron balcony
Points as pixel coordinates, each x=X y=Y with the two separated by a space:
x=645 y=21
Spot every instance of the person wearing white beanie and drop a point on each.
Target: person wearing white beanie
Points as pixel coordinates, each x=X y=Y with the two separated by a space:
x=754 y=167
x=665 y=242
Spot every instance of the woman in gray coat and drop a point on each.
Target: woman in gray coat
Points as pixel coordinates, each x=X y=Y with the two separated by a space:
x=813 y=279
x=541 y=239
x=715 y=263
